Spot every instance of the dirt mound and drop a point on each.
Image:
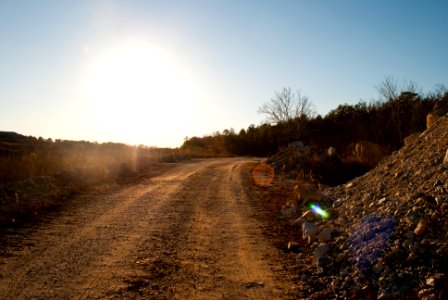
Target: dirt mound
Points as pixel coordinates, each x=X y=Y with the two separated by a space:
x=326 y=167
x=389 y=229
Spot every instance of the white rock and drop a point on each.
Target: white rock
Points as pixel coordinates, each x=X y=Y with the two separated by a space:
x=309 y=231
x=306 y=217
x=445 y=160
x=308 y=214
x=338 y=202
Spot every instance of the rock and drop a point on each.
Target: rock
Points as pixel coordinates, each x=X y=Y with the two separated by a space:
x=438 y=280
x=430 y=200
x=426 y=294
x=356 y=210
x=434 y=217
x=341 y=256
x=368 y=153
x=420 y=229
x=440 y=109
x=431 y=119
x=407 y=244
x=411 y=138
x=382 y=281
x=307 y=215
x=322 y=263
x=325 y=235
x=299 y=221
x=293 y=246
x=412 y=219
x=308 y=192
x=410 y=186
x=430 y=281
x=289 y=211
x=425 y=242
x=321 y=258
x=337 y=202
x=321 y=250
x=309 y=231
x=331 y=152
x=383 y=294
x=382 y=200
x=409 y=234
x=412 y=257
x=377 y=268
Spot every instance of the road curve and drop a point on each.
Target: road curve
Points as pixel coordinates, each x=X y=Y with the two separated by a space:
x=185 y=234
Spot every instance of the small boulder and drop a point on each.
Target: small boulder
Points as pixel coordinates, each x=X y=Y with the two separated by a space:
x=293 y=246
x=321 y=250
x=420 y=229
x=325 y=235
x=309 y=231
x=440 y=109
x=320 y=256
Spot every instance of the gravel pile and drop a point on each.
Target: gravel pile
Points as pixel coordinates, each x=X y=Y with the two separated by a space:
x=389 y=229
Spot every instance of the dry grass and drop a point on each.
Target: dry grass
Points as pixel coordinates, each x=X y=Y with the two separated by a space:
x=37 y=173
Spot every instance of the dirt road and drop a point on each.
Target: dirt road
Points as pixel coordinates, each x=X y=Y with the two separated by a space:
x=185 y=234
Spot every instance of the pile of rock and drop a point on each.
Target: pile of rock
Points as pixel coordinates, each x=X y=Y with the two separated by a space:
x=440 y=109
x=387 y=234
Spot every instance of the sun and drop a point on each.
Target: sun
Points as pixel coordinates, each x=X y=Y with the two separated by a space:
x=137 y=88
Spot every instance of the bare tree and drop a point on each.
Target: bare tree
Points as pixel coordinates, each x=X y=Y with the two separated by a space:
x=438 y=92
x=389 y=89
x=287 y=105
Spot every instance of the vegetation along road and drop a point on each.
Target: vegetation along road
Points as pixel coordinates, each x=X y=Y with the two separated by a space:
x=185 y=234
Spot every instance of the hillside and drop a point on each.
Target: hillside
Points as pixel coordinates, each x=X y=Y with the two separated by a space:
x=387 y=235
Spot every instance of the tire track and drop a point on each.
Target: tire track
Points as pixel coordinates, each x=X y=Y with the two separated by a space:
x=185 y=234
x=84 y=252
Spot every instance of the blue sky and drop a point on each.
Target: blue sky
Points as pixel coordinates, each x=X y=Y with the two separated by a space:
x=153 y=72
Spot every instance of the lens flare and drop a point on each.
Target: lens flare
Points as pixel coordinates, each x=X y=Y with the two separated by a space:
x=369 y=240
x=263 y=174
x=317 y=210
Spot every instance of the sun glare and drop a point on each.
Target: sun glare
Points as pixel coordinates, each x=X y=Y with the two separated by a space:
x=137 y=88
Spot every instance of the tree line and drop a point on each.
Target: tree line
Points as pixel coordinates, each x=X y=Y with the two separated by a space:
x=400 y=112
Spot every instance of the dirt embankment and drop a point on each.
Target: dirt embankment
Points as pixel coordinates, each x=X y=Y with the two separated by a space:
x=387 y=234
x=190 y=233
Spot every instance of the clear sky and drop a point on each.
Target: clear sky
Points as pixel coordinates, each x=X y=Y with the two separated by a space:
x=153 y=72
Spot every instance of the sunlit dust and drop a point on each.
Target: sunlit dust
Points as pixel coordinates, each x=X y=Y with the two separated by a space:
x=317 y=210
x=263 y=174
